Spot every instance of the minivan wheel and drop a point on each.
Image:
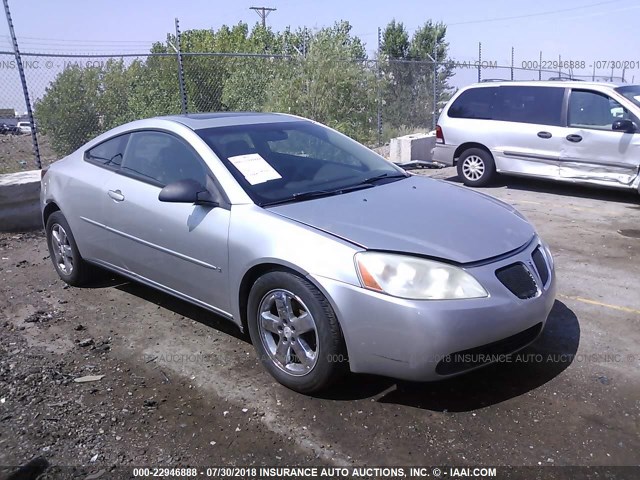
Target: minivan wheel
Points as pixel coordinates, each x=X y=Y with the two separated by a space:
x=295 y=332
x=63 y=250
x=476 y=167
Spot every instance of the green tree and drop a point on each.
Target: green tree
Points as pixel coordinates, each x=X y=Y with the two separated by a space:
x=409 y=70
x=69 y=112
x=332 y=84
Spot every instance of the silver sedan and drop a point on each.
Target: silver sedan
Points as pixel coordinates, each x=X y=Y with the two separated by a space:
x=331 y=257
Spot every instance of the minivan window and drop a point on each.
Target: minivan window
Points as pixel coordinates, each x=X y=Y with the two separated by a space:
x=594 y=110
x=108 y=153
x=476 y=103
x=523 y=104
x=540 y=105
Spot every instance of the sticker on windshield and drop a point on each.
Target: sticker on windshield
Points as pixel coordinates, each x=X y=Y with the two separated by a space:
x=254 y=168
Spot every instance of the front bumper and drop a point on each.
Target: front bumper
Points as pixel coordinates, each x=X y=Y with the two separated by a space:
x=407 y=339
x=443 y=153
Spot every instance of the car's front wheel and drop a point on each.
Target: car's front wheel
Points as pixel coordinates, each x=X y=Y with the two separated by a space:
x=66 y=258
x=476 y=167
x=295 y=332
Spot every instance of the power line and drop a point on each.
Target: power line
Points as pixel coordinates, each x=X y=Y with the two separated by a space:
x=528 y=15
x=83 y=42
x=263 y=13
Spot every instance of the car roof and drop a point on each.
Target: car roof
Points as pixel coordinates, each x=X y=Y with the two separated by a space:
x=548 y=83
x=197 y=121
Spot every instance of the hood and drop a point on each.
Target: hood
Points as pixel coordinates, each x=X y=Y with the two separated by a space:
x=418 y=215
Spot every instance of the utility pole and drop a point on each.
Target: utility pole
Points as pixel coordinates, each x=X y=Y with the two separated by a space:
x=263 y=13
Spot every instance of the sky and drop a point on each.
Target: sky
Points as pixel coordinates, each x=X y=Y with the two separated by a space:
x=578 y=30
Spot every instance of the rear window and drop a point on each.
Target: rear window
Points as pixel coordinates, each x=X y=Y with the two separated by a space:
x=109 y=152
x=541 y=105
x=475 y=103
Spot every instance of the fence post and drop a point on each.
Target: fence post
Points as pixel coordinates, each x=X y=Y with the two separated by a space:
x=23 y=80
x=540 y=67
x=379 y=87
x=435 y=87
x=479 y=61
x=511 y=63
x=183 y=91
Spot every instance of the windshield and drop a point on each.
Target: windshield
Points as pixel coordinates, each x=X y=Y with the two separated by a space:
x=294 y=161
x=632 y=92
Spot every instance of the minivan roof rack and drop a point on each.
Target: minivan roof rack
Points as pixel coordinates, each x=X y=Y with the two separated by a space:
x=484 y=80
x=562 y=79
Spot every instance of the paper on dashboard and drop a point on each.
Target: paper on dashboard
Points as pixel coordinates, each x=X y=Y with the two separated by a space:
x=254 y=168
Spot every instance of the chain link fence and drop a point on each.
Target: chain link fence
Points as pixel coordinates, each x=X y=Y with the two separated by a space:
x=76 y=97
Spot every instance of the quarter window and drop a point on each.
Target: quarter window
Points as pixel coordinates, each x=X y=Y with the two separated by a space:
x=595 y=110
x=162 y=159
x=108 y=153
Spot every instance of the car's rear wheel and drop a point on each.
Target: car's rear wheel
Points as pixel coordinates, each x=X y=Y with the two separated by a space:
x=295 y=332
x=476 y=167
x=66 y=258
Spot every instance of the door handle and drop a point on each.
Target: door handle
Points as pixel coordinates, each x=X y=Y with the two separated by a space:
x=116 y=195
x=544 y=135
x=574 y=138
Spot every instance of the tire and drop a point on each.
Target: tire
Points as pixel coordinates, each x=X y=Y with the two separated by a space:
x=476 y=167
x=277 y=303
x=64 y=253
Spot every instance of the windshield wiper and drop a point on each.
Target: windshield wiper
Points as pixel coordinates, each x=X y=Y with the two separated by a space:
x=375 y=178
x=317 y=193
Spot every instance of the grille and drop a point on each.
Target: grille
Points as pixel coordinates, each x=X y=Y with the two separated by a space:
x=541 y=265
x=517 y=278
x=474 y=357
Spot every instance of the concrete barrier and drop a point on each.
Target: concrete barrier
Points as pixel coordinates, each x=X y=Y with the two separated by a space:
x=20 y=201
x=417 y=146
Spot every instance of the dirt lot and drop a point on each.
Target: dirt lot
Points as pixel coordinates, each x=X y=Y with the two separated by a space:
x=181 y=387
x=16 y=153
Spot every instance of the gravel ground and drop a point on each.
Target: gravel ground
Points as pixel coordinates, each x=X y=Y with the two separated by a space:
x=174 y=385
x=16 y=153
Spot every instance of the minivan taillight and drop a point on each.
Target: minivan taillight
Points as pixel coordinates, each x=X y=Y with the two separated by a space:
x=439 y=134
x=43 y=172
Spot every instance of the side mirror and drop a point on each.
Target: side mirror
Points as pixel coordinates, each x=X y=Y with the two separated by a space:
x=624 y=125
x=186 y=191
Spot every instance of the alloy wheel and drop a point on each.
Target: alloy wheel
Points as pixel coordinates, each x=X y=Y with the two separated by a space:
x=288 y=332
x=61 y=248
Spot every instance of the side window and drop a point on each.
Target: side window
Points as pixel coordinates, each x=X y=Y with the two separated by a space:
x=540 y=105
x=595 y=110
x=109 y=153
x=162 y=158
x=475 y=103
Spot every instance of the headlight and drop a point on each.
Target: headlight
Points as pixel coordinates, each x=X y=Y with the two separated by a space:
x=547 y=252
x=415 y=278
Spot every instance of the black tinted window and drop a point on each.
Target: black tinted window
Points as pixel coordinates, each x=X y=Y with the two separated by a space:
x=541 y=105
x=109 y=152
x=475 y=103
x=162 y=159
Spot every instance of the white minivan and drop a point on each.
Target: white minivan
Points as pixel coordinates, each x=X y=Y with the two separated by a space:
x=583 y=132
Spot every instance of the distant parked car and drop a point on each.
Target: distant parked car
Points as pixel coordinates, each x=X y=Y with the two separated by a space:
x=6 y=129
x=24 y=127
x=329 y=255
x=582 y=132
